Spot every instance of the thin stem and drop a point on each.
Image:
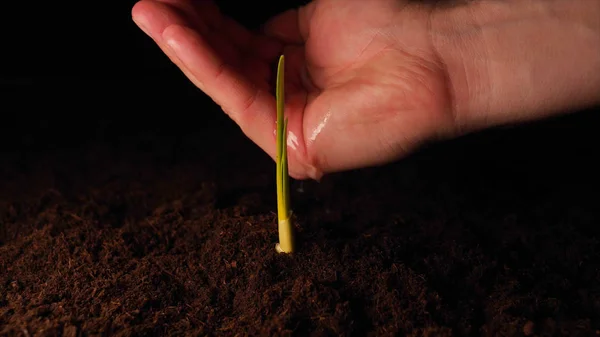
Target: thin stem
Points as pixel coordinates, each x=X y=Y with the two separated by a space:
x=285 y=224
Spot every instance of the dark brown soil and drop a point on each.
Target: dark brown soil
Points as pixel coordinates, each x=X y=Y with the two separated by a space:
x=160 y=225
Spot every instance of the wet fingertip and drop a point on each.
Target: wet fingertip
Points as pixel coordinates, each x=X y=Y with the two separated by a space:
x=315 y=174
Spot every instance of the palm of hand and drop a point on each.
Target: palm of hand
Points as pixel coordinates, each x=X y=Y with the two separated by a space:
x=362 y=80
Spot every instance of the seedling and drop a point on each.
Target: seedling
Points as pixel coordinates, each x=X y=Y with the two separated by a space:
x=284 y=213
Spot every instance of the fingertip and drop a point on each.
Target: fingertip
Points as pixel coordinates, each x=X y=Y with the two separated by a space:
x=135 y=8
x=141 y=14
x=145 y=14
x=138 y=10
x=141 y=9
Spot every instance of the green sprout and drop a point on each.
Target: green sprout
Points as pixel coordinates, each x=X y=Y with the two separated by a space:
x=284 y=214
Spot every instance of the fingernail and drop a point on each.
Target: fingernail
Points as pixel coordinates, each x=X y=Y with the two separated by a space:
x=173 y=44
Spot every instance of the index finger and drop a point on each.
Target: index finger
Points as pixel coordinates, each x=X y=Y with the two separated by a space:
x=252 y=108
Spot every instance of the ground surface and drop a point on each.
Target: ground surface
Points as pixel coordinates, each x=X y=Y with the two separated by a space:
x=140 y=225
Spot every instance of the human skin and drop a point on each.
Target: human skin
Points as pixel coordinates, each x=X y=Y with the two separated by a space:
x=368 y=82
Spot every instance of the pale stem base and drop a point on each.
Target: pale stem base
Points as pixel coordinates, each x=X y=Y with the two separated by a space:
x=286 y=244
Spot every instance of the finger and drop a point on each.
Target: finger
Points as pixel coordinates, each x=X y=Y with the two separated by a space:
x=153 y=17
x=250 y=107
x=156 y=16
x=257 y=118
x=162 y=13
x=291 y=26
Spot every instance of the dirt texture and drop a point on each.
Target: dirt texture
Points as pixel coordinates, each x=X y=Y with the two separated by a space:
x=131 y=226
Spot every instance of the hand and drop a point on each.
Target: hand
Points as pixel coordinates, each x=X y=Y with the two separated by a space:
x=364 y=85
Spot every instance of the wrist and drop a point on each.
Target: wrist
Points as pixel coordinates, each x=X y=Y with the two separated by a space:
x=511 y=61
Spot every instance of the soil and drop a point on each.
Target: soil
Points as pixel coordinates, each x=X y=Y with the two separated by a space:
x=127 y=224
